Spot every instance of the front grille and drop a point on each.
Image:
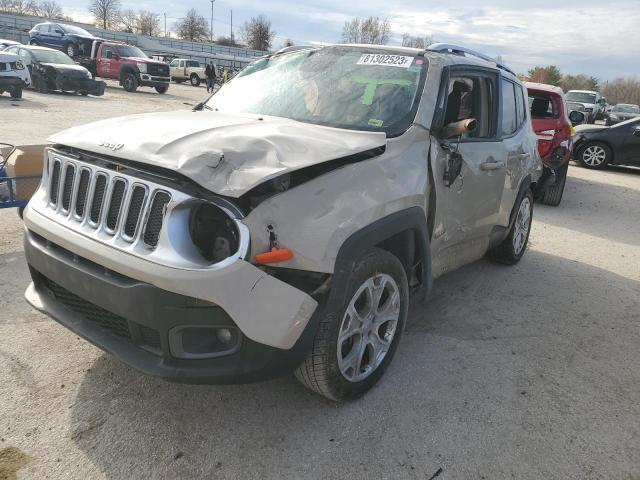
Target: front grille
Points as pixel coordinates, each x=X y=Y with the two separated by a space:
x=159 y=70
x=150 y=337
x=99 y=316
x=110 y=202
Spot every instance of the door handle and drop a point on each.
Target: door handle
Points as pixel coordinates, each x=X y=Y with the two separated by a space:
x=489 y=166
x=523 y=156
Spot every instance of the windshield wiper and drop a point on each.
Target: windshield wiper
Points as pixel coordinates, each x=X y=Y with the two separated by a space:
x=201 y=106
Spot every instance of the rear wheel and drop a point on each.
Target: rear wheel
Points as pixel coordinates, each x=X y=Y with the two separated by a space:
x=512 y=248
x=359 y=334
x=162 y=89
x=595 y=155
x=553 y=195
x=33 y=41
x=130 y=82
x=195 y=80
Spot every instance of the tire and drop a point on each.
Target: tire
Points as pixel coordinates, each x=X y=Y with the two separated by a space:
x=327 y=369
x=83 y=93
x=16 y=92
x=21 y=212
x=162 y=89
x=33 y=41
x=512 y=248
x=195 y=80
x=130 y=82
x=553 y=195
x=71 y=50
x=595 y=155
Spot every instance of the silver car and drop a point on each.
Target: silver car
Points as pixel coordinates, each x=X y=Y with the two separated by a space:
x=282 y=225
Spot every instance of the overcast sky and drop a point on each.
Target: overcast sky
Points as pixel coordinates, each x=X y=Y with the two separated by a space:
x=594 y=37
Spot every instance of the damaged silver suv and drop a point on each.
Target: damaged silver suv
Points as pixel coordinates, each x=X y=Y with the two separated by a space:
x=283 y=224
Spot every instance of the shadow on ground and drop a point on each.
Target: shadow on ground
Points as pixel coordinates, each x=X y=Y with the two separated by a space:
x=502 y=391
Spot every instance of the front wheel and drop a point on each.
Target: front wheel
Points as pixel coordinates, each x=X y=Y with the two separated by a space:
x=512 y=248
x=594 y=155
x=130 y=82
x=72 y=50
x=16 y=92
x=360 y=331
x=33 y=41
x=195 y=80
x=162 y=89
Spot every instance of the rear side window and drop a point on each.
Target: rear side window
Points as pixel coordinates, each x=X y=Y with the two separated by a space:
x=509 y=113
x=542 y=106
x=521 y=106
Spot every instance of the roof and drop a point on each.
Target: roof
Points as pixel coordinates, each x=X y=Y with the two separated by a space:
x=543 y=87
x=407 y=50
x=583 y=91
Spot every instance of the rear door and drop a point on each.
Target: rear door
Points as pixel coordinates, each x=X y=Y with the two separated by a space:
x=519 y=142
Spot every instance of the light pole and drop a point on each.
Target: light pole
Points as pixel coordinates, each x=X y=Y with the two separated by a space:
x=212 y=20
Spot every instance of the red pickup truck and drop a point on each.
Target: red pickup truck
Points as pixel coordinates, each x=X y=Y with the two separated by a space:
x=127 y=64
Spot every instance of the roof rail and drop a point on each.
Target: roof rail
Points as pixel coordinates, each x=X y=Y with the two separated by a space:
x=458 y=50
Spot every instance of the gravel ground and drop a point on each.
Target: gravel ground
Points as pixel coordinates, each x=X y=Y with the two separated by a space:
x=523 y=372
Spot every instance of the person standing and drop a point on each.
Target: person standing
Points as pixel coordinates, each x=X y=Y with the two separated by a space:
x=210 y=73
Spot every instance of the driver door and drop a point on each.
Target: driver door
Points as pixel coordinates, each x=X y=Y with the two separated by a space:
x=469 y=207
x=629 y=141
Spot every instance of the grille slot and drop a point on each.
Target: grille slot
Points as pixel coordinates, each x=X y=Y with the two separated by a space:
x=98 y=198
x=135 y=210
x=156 y=217
x=105 y=320
x=55 y=183
x=83 y=189
x=67 y=187
x=117 y=197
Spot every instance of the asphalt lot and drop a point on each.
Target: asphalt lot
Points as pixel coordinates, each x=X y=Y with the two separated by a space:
x=523 y=372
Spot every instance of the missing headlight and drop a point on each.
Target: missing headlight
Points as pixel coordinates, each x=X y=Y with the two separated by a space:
x=213 y=232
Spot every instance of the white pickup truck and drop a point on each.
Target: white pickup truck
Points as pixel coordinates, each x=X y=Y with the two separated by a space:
x=183 y=69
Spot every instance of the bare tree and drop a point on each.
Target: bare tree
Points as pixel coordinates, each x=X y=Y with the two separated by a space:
x=623 y=90
x=51 y=9
x=128 y=21
x=417 y=41
x=372 y=30
x=193 y=27
x=288 y=43
x=105 y=12
x=46 y=8
x=257 y=33
x=148 y=23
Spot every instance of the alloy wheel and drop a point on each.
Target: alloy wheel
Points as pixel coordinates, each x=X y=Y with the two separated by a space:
x=523 y=220
x=594 y=155
x=368 y=327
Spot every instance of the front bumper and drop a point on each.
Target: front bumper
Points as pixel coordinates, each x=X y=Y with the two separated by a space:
x=8 y=82
x=137 y=322
x=147 y=80
x=92 y=87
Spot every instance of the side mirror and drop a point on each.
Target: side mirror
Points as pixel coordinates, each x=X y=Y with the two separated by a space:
x=576 y=117
x=457 y=129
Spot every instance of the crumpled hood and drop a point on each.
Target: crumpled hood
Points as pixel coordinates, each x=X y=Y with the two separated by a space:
x=227 y=154
x=79 y=70
x=6 y=57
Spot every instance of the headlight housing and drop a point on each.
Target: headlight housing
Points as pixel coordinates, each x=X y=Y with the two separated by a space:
x=19 y=65
x=213 y=232
x=142 y=67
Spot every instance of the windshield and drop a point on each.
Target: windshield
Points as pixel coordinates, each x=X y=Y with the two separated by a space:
x=76 y=30
x=344 y=87
x=581 y=97
x=626 y=108
x=129 y=51
x=575 y=106
x=51 y=56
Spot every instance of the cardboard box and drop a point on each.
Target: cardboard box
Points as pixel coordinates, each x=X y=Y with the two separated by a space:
x=25 y=161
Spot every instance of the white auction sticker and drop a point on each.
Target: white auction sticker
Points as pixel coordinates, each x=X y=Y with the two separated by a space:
x=401 y=61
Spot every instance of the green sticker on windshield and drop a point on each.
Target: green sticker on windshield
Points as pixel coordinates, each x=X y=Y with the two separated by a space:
x=374 y=122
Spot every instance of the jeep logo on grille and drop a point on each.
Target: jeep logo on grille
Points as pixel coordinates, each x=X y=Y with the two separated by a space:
x=111 y=146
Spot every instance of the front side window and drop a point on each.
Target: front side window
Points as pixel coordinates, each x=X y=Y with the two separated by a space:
x=509 y=113
x=471 y=96
x=174 y=63
x=356 y=88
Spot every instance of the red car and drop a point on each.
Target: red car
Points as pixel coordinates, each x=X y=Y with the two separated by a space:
x=551 y=123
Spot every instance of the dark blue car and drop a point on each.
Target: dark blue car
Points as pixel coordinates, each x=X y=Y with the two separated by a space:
x=72 y=40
